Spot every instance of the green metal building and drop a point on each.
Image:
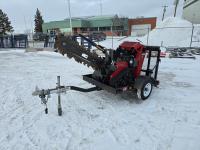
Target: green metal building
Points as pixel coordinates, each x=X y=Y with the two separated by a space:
x=107 y=24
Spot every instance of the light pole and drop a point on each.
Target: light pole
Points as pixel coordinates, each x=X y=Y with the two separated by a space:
x=164 y=11
x=101 y=8
x=176 y=2
x=70 y=18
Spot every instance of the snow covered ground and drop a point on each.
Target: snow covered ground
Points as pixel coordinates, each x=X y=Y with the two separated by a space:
x=168 y=120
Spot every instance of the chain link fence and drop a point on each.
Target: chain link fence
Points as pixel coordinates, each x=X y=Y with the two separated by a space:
x=14 y=41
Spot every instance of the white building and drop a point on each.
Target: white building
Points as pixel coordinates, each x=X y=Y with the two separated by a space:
x=191 y=11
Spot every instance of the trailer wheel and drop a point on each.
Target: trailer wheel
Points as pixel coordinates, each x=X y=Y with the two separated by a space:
x=145 y=89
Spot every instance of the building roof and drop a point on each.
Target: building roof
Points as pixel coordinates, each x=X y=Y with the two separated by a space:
x=94 y=17
x=88 y=21
x=102 y=17
x=103 y=21
x=66 y=23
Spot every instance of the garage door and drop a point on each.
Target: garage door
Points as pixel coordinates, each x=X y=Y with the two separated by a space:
x=140 y=30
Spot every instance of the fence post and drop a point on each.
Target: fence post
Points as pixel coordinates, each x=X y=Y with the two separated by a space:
x=112 y=35
x=12 y=41
x=161 y=44
x=192 y=35
x=1 y=42
x=148 y=36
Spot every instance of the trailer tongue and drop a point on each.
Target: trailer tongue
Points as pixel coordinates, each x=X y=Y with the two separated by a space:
x=117 y=71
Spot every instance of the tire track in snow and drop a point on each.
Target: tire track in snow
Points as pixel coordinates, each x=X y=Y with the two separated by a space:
x=114 y=129
x=15 y=132
x=30 y=129
x=76 y=129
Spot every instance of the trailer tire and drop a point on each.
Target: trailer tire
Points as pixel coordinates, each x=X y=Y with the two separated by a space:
x=145 y=88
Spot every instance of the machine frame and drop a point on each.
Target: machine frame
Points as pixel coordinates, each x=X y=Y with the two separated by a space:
x=148 y=73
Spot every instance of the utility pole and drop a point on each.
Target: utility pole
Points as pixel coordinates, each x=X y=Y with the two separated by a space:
x=101 y=8
x=164 y=11
x=26 y=28
x=70 y=18
x=176 y=2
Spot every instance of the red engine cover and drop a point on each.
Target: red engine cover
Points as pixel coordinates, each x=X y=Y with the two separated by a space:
x=126 y=45
x=139 y=56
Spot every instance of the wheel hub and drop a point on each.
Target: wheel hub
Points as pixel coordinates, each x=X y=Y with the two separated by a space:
x=147 y=89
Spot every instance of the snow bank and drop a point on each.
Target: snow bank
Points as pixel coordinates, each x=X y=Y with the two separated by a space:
x=172 y=32
x=174 y=22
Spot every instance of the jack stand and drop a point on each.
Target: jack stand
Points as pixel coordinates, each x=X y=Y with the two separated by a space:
x=45 y=94
x=59 y=106
x=46 y=110
x=59 y=97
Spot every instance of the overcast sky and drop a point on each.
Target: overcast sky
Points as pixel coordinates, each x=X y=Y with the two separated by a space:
x=21 y=12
